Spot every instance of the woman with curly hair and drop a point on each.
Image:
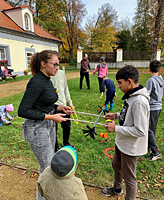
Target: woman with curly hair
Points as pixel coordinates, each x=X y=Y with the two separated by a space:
x=38 y=108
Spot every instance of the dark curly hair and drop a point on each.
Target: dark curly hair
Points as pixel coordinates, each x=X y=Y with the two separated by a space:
x=36 y=59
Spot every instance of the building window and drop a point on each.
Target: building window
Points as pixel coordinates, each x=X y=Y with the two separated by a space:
x=27 y=22
x=28 y=58
x=2 y=53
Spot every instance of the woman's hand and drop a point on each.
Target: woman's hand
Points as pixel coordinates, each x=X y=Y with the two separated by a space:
x=58 y=118
x=72 y=106
x=65 y=109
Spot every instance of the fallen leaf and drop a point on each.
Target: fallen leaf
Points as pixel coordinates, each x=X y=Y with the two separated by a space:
x=161 y=181
x=144 y=172
x=148 y=186
x=139 y=181
x=158 y=185
x=155 y=180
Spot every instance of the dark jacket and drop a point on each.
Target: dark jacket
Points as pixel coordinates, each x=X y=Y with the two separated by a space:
x=85 y=65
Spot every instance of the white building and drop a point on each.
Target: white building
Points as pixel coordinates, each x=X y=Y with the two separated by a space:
x=20 y=37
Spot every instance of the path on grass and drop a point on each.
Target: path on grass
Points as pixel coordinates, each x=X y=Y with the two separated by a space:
x=13 y=88
x=16 y=184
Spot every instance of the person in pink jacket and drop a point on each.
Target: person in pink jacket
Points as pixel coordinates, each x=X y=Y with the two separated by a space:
x=102 y=71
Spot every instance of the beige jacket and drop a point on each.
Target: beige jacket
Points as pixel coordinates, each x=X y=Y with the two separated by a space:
x=53 y=187
x=60 y=82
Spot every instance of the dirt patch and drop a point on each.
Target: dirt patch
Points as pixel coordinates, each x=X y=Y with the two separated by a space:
x=16 y=184
x=20 y=86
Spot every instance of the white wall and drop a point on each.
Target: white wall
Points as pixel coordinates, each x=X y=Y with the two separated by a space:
x=17 y=52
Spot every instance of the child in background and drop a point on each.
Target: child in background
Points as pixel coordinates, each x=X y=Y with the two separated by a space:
x=155 y=86
x=2 y=75
x=102 y=71
x=5 y=71
x=58 y=181
x=4 y=112
x=8 y=72
x=110 y=93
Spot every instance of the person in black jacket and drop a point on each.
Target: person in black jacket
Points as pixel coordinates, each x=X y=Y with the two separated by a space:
x=84 y=71
x=38 y=109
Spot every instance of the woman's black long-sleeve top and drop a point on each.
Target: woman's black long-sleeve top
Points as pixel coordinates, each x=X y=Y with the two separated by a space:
x=39 y=98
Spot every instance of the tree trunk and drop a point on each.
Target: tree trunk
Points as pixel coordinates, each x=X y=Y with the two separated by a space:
x=157 y=29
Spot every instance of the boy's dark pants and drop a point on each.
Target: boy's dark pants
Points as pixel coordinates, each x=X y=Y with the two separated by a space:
x=86 y=74
x=100 y=83
x=153 y=121
x=125 y=168
x=66 y=126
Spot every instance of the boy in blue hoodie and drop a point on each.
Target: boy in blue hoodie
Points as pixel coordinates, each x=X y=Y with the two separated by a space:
x=155 y=86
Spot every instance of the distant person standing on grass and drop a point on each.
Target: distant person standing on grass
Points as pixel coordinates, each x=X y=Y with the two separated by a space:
x=155 y=85
x=84 y=71
x=102 y=71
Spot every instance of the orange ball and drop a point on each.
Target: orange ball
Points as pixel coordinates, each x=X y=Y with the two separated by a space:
x=101 y=134
x=105 y=135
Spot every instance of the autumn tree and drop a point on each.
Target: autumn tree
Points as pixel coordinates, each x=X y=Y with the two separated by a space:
x=125 y=24
x=101 y=31
x=125 y=39
x=16 y=3
x=147 y=28
x=142 y=29
x=72 y=17
x=157 y=28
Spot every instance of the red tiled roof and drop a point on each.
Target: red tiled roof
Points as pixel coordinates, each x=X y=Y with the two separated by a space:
x=24 y=6
x=7 y=22
x=42 y=33
x=4 y=5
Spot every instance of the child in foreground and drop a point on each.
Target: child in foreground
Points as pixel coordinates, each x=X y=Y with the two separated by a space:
x=132 y=132
x=155 y=86
x=4 y=112
x=110 y=93
x=58 y=181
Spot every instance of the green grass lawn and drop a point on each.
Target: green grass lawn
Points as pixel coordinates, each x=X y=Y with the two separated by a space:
x=93 y=165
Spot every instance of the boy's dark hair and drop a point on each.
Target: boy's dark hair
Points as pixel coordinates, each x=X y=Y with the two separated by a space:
x=128 y=72
x=155 y=66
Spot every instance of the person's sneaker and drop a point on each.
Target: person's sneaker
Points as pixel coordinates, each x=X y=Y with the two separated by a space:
x=153 y=157
x=110 y=191
x=68 y=144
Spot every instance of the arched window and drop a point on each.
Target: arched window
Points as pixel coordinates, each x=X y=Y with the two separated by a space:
x=27 y=22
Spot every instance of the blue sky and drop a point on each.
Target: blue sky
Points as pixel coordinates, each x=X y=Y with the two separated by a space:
x=123 y=7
